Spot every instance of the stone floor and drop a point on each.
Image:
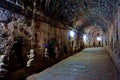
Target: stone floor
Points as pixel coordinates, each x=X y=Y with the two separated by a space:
x=89 y=64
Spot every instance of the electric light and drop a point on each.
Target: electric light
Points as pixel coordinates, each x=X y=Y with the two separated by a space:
x=99 y=38
x=85 y=38
x=72 y=34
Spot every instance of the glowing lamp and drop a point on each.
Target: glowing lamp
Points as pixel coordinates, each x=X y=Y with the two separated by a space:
x=84 y=38
x=72 y=34
x=99 y=38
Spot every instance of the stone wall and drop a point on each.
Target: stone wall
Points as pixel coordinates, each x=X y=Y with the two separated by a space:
x=13 y=31
x=24 y=43
x=116 y=43
x=113 y=42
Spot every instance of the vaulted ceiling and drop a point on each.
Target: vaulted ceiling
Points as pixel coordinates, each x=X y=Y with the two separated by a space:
x=73 y=12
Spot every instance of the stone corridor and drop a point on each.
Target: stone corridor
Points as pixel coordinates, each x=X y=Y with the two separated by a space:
x=80 y=39
x=89 y=64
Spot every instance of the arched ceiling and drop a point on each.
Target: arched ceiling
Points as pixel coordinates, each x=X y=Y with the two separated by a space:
x=93 y=29
x=71 y=11
x=97 y=20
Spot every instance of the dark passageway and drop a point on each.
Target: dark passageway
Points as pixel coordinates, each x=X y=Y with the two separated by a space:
x=38 y=34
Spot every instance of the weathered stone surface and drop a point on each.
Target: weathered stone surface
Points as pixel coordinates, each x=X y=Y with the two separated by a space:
x=113 y=45
x=7 y=16
x=4 y=15
x=17 y=38
x=9 y=35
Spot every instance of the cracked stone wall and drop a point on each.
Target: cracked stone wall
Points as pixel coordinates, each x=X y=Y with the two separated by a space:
x=12 y=28
x=116 y=43
x=113 y=42
x=17 y=38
